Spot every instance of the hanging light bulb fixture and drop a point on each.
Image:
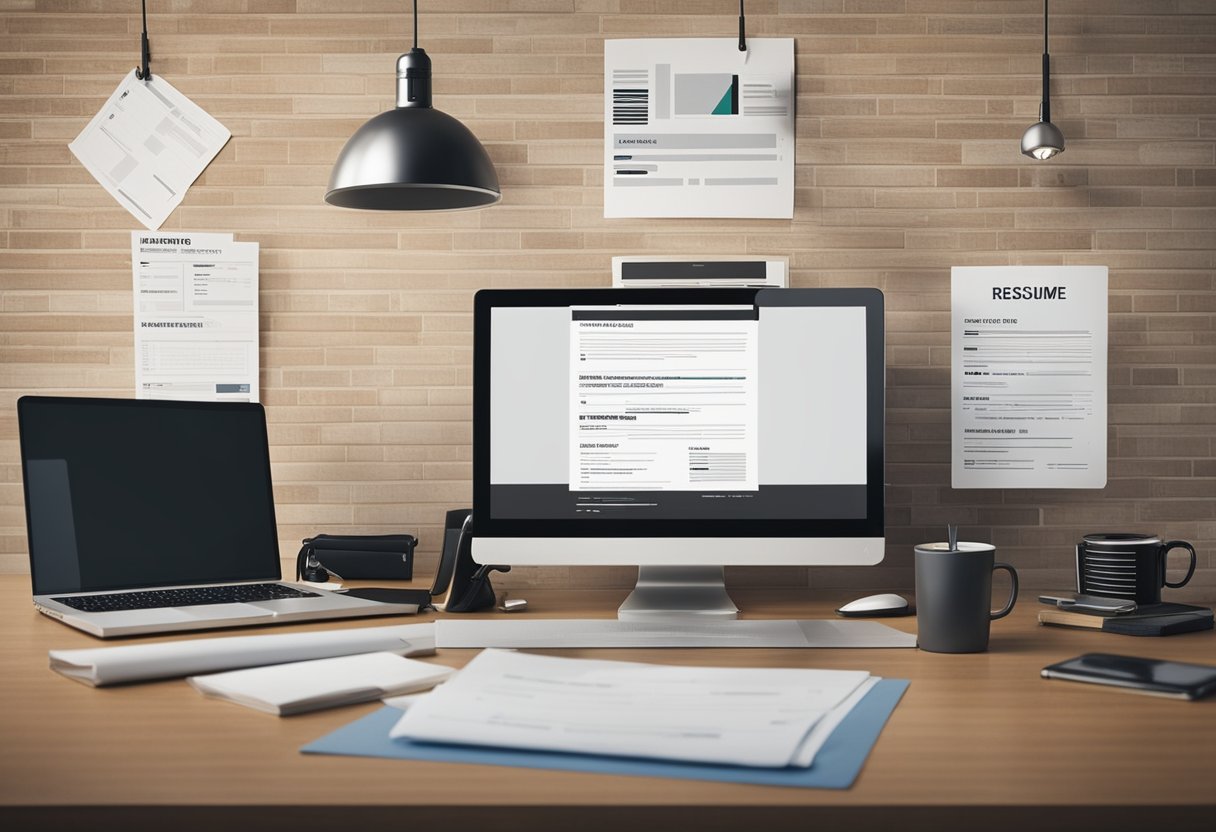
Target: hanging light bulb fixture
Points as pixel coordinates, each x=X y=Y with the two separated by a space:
x=1043 y=140
x=413 y=157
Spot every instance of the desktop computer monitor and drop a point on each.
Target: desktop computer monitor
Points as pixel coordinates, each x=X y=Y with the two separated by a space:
x=678 y=430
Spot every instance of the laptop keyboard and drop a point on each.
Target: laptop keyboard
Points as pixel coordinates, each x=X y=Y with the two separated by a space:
x=188 y=597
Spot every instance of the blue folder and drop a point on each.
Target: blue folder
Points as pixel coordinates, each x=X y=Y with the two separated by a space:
x=836 y=765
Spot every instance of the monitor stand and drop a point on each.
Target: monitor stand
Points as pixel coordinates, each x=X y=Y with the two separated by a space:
x=693 y=592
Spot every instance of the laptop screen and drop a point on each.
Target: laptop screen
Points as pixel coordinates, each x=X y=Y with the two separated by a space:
x=124 y=493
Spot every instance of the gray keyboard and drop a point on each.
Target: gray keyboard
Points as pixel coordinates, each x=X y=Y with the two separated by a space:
x=611 y=632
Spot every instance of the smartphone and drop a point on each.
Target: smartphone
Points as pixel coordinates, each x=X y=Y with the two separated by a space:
x=1177 y=680
x=1090 y=603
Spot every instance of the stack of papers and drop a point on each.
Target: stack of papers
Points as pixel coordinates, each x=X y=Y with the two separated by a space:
x=169 y=659
x=758 y=717
x=300 y=687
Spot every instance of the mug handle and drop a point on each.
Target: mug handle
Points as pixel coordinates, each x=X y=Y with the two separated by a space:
x=1178 y=544
x=1013 y=591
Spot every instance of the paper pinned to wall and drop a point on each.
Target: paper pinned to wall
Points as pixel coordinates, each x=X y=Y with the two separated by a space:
x=695 y=128
x=196 y=316
x=147 y=145
x=1028 y=378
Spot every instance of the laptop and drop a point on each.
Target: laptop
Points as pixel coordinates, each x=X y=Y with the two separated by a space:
x=149 y=516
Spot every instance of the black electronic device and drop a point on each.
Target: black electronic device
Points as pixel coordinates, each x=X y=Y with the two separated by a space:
x=388 y=557
x=1177 y=680
x=463 y=583
x=155 y=499
x=363 y=557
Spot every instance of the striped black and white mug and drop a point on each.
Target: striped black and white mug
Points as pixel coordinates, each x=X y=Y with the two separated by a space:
x=1127 y=565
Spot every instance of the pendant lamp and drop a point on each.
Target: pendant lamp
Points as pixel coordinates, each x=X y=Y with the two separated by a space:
x=1043 y=140
x=413 y=157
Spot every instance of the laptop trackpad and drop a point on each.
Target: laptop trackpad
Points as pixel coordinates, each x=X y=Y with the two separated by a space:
x=210 y=612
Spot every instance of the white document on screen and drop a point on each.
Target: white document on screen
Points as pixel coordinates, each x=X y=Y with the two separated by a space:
x=729 y=716
x=147 y=145
x=695 y=128
x=663 y=399
x=1028 y=379
x=196 y=316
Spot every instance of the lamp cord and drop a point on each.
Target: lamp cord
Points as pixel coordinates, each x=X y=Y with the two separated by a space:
x=416 y=23
x=1045 y=106
x=142 y=72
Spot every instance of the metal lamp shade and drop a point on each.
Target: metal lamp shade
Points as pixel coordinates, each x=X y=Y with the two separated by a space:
x=1042 y=140
x=413 y=159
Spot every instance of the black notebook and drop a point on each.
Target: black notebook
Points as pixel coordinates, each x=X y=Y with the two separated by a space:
x=1147 y=620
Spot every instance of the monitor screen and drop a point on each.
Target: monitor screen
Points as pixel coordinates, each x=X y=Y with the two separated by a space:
x=703 y=414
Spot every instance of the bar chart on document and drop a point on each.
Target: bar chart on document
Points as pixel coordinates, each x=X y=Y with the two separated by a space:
x=663 y=399
x=695 y=128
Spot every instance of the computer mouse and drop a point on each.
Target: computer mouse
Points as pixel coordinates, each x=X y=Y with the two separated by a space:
x=876 y=606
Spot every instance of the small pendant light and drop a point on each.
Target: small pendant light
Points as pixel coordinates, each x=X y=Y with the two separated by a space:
x=414 y=157
x=1043 y=140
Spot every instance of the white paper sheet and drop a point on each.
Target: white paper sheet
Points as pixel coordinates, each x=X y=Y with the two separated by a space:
x=663 y=399
x=147 y=145
x=299 y=687
x=1028 y=378
x=804 y=757
x=732 y=716
x=196 y=316
x=165 y=660
x=695 y=128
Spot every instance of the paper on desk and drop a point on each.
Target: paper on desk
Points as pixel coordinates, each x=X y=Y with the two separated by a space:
x=806 y=752
x=140 y=662
x=823 y=729
x=730 y=716
x=147 y=145
x=299 y=687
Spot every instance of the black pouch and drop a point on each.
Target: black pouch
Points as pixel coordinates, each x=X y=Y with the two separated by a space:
x=359 y=557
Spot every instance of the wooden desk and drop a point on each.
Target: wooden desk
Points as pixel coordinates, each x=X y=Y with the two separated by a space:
x=979 y=742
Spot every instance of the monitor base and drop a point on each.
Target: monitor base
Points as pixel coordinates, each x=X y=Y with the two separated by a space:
x=695 y=592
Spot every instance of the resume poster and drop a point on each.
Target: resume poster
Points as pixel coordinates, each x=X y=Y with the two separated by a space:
x=1028 y=376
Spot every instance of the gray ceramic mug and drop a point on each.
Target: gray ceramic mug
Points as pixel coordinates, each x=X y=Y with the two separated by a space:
x=953 y=594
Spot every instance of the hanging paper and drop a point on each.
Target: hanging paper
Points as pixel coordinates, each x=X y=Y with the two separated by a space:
x=695 y=128
x=147 y=145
